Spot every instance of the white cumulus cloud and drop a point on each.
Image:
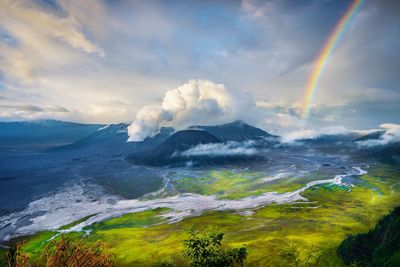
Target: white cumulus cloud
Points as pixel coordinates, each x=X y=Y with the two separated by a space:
x=391 y=135
x=313 y=133
x=195 y=102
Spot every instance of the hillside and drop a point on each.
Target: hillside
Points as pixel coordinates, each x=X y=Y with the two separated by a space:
x=238 y=131
x=373 y=145
x=378 y=247
x=179 y=141
x=112 y=139
x=43 y=133
x=371 y=136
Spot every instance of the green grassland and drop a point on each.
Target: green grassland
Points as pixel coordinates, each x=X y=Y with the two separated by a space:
x=226 y=184
x=334 y=212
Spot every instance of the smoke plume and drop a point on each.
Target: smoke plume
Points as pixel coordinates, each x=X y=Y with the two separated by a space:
x=195 y=102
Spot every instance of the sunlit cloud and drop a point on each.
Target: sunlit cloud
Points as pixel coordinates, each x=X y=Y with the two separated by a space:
x=390 y=134
x=103 y=61
x=195 y=102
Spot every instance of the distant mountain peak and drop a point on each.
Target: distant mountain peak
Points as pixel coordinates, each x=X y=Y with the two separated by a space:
x=235 y=131
x=178 y=141
x=371 y=136
x=236 y=122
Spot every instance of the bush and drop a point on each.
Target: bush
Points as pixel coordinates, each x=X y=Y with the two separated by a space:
x=69 y=252
x=16 y=256
x=64 y=252
x=292 y=254
x=205 y=250
x=379 y=247
x=311 y=256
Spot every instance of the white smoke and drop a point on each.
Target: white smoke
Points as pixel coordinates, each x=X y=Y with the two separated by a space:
x=391 y=135
x=227 y=149
x=148 y=122
x=304 y=134
x=195 y=102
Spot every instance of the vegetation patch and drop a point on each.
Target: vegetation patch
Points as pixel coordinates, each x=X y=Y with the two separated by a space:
x=206 y=250
x=132 y=220
x=67 y=226
x=379 y=247
x=227 y=184
x=330 y=217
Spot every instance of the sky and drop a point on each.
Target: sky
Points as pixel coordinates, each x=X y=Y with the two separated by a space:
x=157 y=63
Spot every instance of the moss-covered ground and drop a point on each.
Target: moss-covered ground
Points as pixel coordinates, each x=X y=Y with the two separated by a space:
x=227 y=184
x=333 y=213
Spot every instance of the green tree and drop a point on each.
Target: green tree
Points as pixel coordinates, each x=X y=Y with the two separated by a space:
x=206 y=250
x=292 y=253
x=316 y=254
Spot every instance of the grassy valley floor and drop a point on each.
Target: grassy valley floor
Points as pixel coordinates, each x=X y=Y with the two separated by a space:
x=332 y=213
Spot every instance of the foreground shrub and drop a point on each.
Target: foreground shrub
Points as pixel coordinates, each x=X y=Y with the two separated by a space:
x=70 y=253
x=206 y=250
x=379 y=247
x=310 y=256
x=16 y=256
x=63 y=252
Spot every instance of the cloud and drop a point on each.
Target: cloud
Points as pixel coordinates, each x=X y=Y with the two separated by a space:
x=22 y=107
x=56 y=108
x=391 y=135
x=81 y=54
x=15 y=15
x=33 y=108
x=287 y=115
x=304 y=134
x=256 y=9
x=24 y=111
x=220 y=150
x=42 y=39
x=195 y=102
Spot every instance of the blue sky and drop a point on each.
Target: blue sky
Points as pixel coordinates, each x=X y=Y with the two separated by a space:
x=103 y=61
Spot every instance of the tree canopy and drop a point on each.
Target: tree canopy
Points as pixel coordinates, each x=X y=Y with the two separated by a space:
x=205 y=250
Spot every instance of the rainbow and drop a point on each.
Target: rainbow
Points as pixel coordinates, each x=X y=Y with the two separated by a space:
x=323 y=56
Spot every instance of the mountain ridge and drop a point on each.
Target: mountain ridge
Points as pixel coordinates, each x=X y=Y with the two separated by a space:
x=235 y=131
x=169 y=152
x=46 y=132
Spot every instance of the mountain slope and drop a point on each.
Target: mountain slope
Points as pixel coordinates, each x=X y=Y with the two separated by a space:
x=236 y=131
x=205 y=148
x=372 y=136
x=179 y=141
x=43 y=133
x=102 y=134
x=378 y=247
x=331 y=139
x=389 y=153
x=112 y=139
x=373 y=145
